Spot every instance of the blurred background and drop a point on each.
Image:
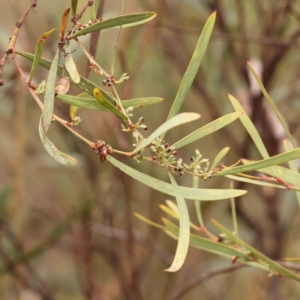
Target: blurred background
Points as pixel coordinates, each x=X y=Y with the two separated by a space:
x=70 y=232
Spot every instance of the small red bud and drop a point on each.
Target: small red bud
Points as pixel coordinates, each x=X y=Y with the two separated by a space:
x=99 y=145
x=146 y=128
x=103 y=155
x=109 y=149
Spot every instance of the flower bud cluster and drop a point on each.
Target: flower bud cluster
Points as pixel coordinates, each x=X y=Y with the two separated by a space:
x=103 y=150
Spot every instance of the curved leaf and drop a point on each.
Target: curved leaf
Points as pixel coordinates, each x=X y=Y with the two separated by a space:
x=219 y=157
x=125 y=20
x=184 y=229
x=166 y=188
x=52 y=150
x=171 y=123
x=208 y=129
x=50 y=92
x=70 y=64
x=194 y=65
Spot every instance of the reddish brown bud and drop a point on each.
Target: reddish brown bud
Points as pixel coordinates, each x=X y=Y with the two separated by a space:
x=99 y=145
x=103 y=155
x=234 y=259
x=109 y=150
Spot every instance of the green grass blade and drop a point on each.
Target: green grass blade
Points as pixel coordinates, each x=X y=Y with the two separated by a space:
x=110 y=107
x=129 y=20
x=38 y=52
x=87 y=101
x=169 y=124
x=194 y=65
x=208 y=129
x=50 y=92
x=274 y=267
x=166 y=188
x=184 y=229
x=271 y=103
x=52 y=150
x=70 y=65
x=84 y=83
x=274 y=160
x=219 y=157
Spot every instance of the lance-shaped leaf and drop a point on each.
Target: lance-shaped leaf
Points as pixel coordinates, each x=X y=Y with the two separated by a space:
x=63 y=23
x=173 y=122
x=256 y=182
x=84 y=83
x=125 y=21
x=184 y=229
x=274 y=268
x=272 y=105
x=272 y=161
x=74 y=7
x=52 y=150
x=95 y=8
x=207 y=244
x=149 y=221
x=105 y=103
x=70 y=64
x=166 y=188
x=194 y=65
x=38 y=52
x=219 y=157
x=84 y=100
x=50 y=92
x=208 y=129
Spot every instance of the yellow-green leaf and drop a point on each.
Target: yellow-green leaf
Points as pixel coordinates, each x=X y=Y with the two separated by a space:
x=70 y=64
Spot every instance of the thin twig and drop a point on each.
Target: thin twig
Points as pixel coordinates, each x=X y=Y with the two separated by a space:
x=13 y=38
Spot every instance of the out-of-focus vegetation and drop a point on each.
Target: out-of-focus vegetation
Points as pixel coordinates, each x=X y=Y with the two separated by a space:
x=80 y=222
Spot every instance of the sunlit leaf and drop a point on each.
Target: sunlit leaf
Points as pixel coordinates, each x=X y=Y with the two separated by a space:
x=52 y=150
x=169 y=211
x=105 y=103
x=194 y=65
x=84 y=83
x=172 y=205
x=274 y=160
x=125 y=21
x=38 y=52
x=70 y=64
x=50 y=92
x=272 y=105
x=208 y=129
x=274 y=267
x=166 y=188
x=63 y=23
x=74 y=6
x=219 y=157
x=184 y=229
x=171 y=123
x=84 y=100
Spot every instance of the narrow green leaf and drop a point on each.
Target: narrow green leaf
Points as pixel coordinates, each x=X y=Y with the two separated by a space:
x=207 y=244
x=85 y=100
x=38 y=52
x=219 y=157
x=208 y=129
x=53 y=151
x=149 y=221
x=184 y=229
x=129 y=20
x=194 y=65
x=292 y=165
x=84 y=83
x=70 y=64
x=95 y=8
x=249 y=126
x=173 y=206
x=271 y=103
x=285 y=174
x=105 y=103
x=50 y=92
x=166 y=188
x=74 y=7
x=274 y=160
x=256 y=182
x=274 y=267
x=171 y=123
x=169 y=211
